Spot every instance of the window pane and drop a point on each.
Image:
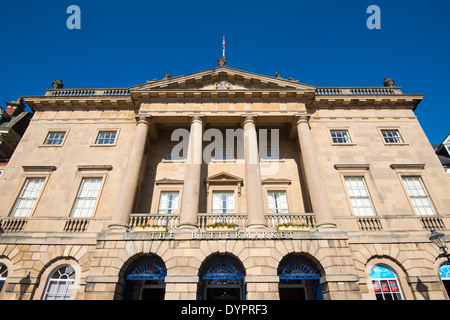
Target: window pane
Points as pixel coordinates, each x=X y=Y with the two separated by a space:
x=418 y=195
x=271 y=153
x=27 y=199
x=340 y=136
x=54 y=138
x=391 y=136
x=385 y=283
x=359 y=196
x=175 y=154
x=106 y=137
x=87 y=197
x=278 y=202
x=223 y=202
x=168 y=202
x=60 y=285
x=223 y=153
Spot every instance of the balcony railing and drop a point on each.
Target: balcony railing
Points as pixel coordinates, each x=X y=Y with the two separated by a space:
x=274 y=219
x=172 y=221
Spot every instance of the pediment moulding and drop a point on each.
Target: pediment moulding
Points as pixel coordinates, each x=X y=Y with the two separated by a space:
x=222 y=78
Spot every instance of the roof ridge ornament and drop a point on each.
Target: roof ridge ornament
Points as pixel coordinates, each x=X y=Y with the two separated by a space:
x=388 y=82
x=222 y=62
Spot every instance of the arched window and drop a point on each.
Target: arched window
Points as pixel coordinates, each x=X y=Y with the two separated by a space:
x=60 y=284
x=222 y=278
x=385 y=283
x=444 y=272
x=299 y=279
x=144 y=279
x=3 y=275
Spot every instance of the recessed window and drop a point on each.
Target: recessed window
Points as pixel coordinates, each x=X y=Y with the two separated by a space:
x=418 y=196
x=54 y=138
x=60 y=284
x=3 y=275
x=385 y=283
x=175 y=154
x=359 y=196
x=106 y=138
x=340 y=136
x=223 y=202
x=391 y=136
x=86 y=197
x=271 y=154
x=444 y=272
x=28 y=197
x=277 y=202
x=168 y=202
x=223 y=154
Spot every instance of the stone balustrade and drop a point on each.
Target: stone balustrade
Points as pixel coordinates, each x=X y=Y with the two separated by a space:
x=358 y=91
x=171 y=221
x=87 y=92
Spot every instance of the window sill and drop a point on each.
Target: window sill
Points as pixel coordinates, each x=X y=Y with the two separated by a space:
x=50 y=145
x=343 y=144
x=172 y=161
x=103 y=145
x=396 y=144
x=222 y=161
x=271 y=160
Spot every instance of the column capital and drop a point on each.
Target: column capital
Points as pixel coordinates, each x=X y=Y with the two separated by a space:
x=302 y=117
x=246 y=118
x=141 y=118
x=196 y=118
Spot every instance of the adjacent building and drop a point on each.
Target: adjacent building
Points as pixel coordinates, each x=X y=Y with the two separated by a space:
x=443 y=152
x=14 y=121
x=223 y=184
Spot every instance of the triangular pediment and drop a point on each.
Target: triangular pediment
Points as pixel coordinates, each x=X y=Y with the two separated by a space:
x=223 y=177
x=222 y=78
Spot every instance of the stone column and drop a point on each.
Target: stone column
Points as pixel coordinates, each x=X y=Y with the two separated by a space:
x=314 y=179
x=128 y=187
x=191 y=189
x=253 y=184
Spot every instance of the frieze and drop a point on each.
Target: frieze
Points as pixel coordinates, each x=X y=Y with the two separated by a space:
x=234 y=235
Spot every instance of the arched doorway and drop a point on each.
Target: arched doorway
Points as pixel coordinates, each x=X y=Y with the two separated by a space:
x=222 y=278
x=144 y=279
x=299 y=279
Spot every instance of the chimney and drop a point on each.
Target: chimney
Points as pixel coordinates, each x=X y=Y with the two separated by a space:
x=14 y=108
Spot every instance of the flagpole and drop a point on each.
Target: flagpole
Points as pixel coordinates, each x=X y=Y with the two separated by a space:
x=223 y=46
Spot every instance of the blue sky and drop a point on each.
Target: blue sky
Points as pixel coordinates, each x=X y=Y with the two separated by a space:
x=321 y=43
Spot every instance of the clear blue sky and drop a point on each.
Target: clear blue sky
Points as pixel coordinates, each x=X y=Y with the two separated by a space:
x=321 y=43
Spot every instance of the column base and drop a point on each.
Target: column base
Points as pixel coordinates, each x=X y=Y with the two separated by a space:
x=118 y=227
x=256 y=227
x=186 y=228
x=326 y=225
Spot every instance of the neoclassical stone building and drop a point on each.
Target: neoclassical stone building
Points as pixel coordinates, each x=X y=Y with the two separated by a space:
x=223 y=184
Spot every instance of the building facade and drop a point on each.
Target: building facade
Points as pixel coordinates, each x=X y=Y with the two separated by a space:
x=223 y=184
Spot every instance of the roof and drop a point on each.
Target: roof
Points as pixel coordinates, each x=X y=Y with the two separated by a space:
x=223 y=82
